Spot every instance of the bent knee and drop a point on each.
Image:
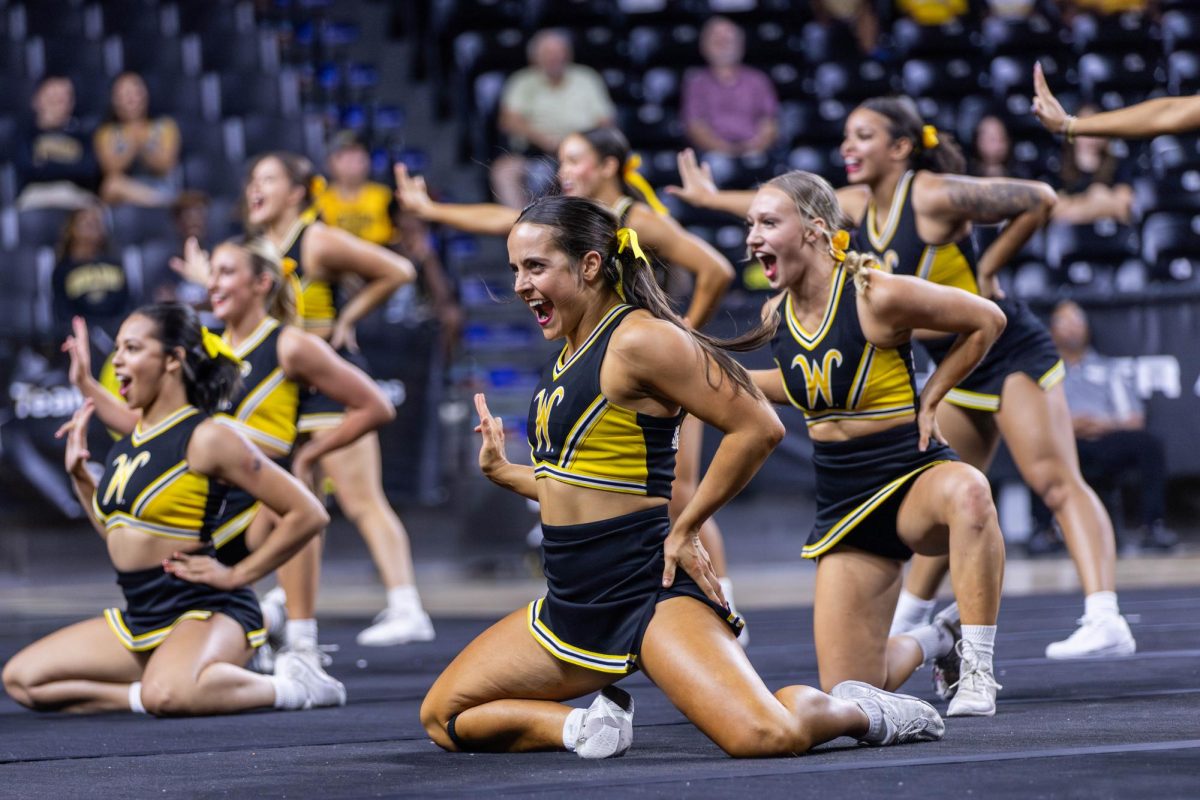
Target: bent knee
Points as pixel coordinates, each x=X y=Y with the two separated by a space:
x=971 y=502
x=759 y=739
x=435 y=715
x=166 y=698
x=18 y=683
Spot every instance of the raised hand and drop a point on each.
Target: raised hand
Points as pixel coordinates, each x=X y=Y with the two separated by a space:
x=698 y=184
x=78 y=348
x=492 y=455
x=1045 y=105
x=411 y=193
x=193 y=267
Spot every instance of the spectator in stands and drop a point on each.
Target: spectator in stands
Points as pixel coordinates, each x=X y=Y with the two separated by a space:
x=729 y=110
x=1110 y=423
x=1095 y=182
x=858 y=16
x=54 y=160
x=933 y=12
x=189 y=213
x=87 y=280
x=540 y=106
x=137 y=152
x=993 y=155
x=351 y=201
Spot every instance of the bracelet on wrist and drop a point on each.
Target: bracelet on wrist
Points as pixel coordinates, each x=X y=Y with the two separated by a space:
x=1069 y=128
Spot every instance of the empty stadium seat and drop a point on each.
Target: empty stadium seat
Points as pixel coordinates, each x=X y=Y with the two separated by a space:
x=676 y=46
x=853 y=81
x=661 y=86
x=1104 y=242
x=40 y=227
x=1115 y=33
x=134 y=224
x=1181 y=30
x=942 y=41
x=1174 y=191
x=260 y=94
x=572 y=13
x=1174 y=153
x=1127 y=74
x=1033 y=36
x=1183 y=72
x=1169 y=244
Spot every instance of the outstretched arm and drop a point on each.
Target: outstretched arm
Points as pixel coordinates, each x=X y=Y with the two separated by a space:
x=113 y=411
x=1150 y=118
x=490 y=219
x=76 y=458
x=898 y=304
x=700 y=190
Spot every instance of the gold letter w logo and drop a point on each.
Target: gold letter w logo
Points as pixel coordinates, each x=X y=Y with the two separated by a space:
x=818 y=377
x=545 y=404
x=123 y=469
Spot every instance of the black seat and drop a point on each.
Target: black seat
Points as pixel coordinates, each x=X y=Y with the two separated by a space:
x=39 y=227
x=934 y=41
x=1125 y=73
x=572 y=13
x=134 y=224
x=1181 y=31
x=853 y=81
x=1183 y=72
x=1104 y=242
x=1169 y=244
x=1034 y=36
x=1116 y=33
x=1177 y=191
x=217 y=178
x=675 y=46
x=264 y=132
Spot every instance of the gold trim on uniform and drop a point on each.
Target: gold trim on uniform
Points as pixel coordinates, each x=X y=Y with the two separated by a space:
x=560 y=366
x=319 y=422
x=235 y=527
x=849 y=522
x=149 y=640
x=601 y=662
x=140 y=437
x=981 y=401
x=804 y=338
x=881 y=241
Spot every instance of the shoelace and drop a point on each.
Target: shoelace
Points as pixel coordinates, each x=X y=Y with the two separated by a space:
x=969 y=671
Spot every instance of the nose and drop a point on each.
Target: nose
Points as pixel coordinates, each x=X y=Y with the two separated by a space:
x=521 y=283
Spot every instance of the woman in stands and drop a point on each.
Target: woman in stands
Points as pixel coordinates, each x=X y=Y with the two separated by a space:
x=279 y=206
x=599 y=165
x=887 y=486
x=137 y=152
x=915 y=215
x=628 y=587
x=251 y=295
x=190 y=622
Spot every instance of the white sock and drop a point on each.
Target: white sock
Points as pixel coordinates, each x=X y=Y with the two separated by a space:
x=572 y=727
x=135 y=698
x=404 y=600
x=290 y=694
x=911 y=612
x=982 y=639
x=1100 y=604
x=274 y=615
x=935 y=641
x=301 y=634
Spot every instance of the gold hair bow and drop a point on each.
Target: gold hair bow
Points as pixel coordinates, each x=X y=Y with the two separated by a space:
x=627 y=239
x=929 y=137
x=634 y=178
x=288 y=267
x=317 y=185
x=838 y=244
x=216 y=346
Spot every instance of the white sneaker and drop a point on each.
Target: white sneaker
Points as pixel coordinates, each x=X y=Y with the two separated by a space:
x=894 y=718
x=607 y=729
x=1096 y=637
x=275 y=616
x=391 y=628
x=322 y=688
x=263 y=660
x=946 y=668
x=975 y=690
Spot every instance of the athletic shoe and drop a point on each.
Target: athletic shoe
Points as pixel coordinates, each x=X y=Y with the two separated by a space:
x=391 y=628
x=975 y=691
x=275 y=616
x=894 y=718
x=1096 y=637
x=263 y=660
x=322 y=688
x=607 y=729
x=946 y=668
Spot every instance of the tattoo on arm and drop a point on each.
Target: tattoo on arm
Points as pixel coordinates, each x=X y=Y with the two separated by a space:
x=256 y=464
x=991 y=203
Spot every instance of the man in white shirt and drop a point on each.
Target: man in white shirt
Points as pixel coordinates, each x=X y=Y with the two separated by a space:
x=541 y=105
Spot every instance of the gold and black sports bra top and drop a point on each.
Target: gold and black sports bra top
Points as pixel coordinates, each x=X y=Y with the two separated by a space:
x=834 y=373
x=898 y=245
x=321 y=300
x=267 y=406
x=577 y=436
x=148 y=485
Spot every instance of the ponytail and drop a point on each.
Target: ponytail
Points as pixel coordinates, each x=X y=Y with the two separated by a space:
x=211 y=371
x=611 y=143
x=932 y=149
x=582 y=226
x=284 y=301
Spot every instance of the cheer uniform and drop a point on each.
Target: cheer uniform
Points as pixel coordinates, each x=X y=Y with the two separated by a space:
x=836 y=374
x=148 y=486
x=265 y=410
x=321 y=301
x=604 y=578
x=1024 y=346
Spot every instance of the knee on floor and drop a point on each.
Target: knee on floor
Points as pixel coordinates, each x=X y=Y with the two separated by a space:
x=166 y=698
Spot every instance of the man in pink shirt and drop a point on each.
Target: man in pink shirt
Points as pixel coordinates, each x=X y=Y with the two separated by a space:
x=729 y=110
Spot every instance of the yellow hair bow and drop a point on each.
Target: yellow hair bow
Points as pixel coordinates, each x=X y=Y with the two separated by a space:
x=634 y=178
x=929 y=137
x=288 y=266
x=216 y=346
x=317 y=185
x=838 y=244
x=627 y=239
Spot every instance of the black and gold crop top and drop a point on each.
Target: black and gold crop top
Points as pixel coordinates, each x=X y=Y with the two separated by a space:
x=579 y=437
x=148 y=485
x=835 y=373
x=267 y=406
